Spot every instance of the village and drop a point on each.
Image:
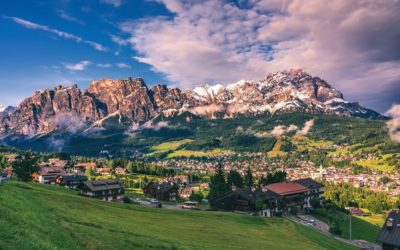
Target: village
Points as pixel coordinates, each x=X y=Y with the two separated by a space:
x=185 y=168
x=261 y=165
x=298 y=194
x=294 y=198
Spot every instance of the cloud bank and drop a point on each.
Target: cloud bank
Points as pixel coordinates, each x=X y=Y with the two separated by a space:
x=394 y=124
x=352 y=44
x=307 y=127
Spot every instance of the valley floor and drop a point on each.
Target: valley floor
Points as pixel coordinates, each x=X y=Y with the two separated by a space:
x=34 y=216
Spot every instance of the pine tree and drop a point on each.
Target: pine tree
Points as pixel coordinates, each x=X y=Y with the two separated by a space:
x=218 y=184
x=25 y=167
x=248 y=179
x=234 y=179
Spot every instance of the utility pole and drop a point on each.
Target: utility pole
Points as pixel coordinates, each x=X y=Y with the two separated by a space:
x=350 y=225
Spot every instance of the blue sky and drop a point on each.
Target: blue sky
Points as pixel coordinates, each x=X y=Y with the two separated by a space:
x=33 y=58
x=187 y=43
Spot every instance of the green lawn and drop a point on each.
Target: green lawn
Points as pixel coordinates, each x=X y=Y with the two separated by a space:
x=303 y=143
x=376 y=164
x=375 y=219
x=276 y=150
x=172 y=149
x=195 y=153
x=168 y=146
x=35 y=216
x=361 y=229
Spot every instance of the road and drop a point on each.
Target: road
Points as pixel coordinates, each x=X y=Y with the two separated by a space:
x=164 y=206
x=324 y=228
x=3 y=179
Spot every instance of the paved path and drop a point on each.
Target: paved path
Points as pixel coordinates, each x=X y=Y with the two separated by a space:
x=164 y=206
x=3 y=179
x=324 y=228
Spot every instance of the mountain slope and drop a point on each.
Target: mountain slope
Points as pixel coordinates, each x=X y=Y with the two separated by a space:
x=35 y=216
x=69 y=108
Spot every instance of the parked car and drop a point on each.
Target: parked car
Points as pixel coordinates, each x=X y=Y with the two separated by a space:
x=137 y=201
x=154 y=201
x=190 y=205
x=311 y=222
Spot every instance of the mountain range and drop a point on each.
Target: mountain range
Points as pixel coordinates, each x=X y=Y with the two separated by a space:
x=133 y=103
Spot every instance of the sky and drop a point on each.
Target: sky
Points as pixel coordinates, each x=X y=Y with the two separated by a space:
x=353 y=45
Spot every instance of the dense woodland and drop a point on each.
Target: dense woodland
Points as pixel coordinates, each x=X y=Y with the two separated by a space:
x=345 y=195
x=242 y=134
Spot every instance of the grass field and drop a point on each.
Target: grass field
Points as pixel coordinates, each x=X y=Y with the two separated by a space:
x=377 y=220
x=168 y=146
x=376 y=164
x=361 y=229
x=276 y=150
x=194 y=153
x=172 y=148
x=303 y=142
x=35 y=216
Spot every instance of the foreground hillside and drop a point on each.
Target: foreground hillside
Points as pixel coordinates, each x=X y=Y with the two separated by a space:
x=34 y=216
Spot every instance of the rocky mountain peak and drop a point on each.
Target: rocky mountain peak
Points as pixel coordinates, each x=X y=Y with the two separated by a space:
x=286 y=91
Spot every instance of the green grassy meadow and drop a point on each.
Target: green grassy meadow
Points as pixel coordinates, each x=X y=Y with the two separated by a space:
x=276 y=150
x=375 y=219
x=196 y=153
x=168 y=146
x=35 y=216
x=362 y=228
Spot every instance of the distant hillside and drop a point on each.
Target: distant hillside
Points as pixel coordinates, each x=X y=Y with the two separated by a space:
x=35 y=216
x=241 y=134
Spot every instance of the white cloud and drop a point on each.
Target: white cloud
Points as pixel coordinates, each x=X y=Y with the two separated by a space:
x=352 y=44
x=115 y=3
x=123 y=66
x=104 y=65
x=281 y=129
x=118 y=40
x=79 y=66
x=307 y=127
x=68 y=17
x=30 y=25
x=393 y=125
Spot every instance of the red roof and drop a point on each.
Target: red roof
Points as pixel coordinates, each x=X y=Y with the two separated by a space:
x=103 y=170
x=285 y=188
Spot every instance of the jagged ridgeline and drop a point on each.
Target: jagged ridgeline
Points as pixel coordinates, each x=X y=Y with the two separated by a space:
x=128 y=115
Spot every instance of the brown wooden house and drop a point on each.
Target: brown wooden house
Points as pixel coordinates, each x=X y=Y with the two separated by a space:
x=72 y=181
x=244 y=200
x=389 y=235
x=106 y=190
x=166 y=191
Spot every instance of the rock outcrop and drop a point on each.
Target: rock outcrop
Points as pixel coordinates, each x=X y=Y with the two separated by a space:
x=69 y=107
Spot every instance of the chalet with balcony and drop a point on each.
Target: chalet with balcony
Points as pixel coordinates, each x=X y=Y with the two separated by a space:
x=244 y=200
x=106 y=190
x=292 y=193
x=315 y=189
x=120 y=170
x=278 y=197
x=389 y=236
x=72 y=181
x=166 y=191
x=80 y=167
x=103 y=171
x=47 y=175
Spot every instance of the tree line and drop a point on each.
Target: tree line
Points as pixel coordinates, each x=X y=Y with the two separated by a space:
x=221 y=182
